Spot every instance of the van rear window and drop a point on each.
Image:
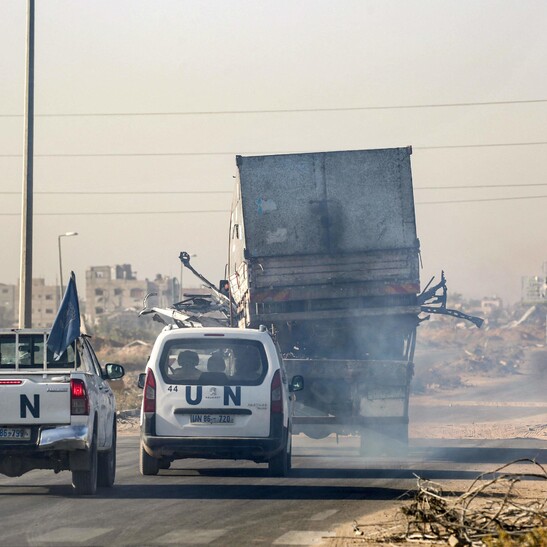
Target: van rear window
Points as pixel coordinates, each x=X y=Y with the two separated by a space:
x=219 y=361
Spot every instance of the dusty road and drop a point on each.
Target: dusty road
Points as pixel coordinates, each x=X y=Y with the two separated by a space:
x=201 y=502
x=455 y=436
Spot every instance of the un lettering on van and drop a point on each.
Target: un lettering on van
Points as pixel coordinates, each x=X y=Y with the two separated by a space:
x=25 y=405
x=231 y=395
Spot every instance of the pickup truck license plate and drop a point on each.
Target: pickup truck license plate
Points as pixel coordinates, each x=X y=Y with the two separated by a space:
x=212 y=419
x=14 y=434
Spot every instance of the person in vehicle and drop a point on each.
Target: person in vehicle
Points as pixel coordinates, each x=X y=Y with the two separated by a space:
x=187 y=365
x=216 y=363
x=247 y=365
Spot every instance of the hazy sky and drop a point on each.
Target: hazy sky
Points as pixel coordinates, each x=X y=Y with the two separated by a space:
x=213 y=58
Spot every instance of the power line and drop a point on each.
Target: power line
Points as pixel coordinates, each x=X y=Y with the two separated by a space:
x=119 y=213
x=278 y=111
x=172 y=154
x=126 y=192
x=473 y=186
x=176 y=192
x=477 y=200
x=95 y=213
x=169 y=192
x=489 y=145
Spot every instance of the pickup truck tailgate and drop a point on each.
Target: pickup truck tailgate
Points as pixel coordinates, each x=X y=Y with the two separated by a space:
x=34 y=401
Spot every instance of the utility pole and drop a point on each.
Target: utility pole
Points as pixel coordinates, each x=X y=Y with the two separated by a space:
x=25 y=279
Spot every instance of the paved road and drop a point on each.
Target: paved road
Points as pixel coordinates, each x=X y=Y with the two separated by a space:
x=202 y=502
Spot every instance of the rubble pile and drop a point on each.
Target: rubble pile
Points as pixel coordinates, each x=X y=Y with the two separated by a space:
x=498 y=348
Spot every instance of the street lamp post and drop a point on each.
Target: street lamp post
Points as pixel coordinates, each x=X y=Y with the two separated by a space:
x=68 y=234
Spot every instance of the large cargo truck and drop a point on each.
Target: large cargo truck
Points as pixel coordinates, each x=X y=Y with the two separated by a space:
x=323 y=250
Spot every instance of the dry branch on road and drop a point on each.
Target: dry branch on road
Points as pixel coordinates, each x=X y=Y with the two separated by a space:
x=490 y=507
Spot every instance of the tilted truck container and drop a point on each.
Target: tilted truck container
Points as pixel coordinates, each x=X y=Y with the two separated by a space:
x=323 y=250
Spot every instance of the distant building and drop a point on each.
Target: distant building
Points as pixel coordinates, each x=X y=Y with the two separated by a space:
x=8 y=305
x=111 y=289
x=491 y=304
x=534 y=289
x=108 y=289
x=45 y=303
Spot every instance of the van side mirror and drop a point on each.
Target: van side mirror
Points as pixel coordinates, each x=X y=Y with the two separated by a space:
x=114 y=371
x=141 y=380
x=297 y=383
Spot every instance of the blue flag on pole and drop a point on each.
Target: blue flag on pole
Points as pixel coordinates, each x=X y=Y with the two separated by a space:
x=66 y=327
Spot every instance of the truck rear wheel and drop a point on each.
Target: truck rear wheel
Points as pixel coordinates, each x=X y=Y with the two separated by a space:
x=107 y=463
x=85 y=482
x=147 y=464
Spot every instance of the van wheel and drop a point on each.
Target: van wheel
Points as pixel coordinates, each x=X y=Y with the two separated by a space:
x=107 y=463
x=280 y=464
x=289 y=450
x=147 y=464
x=85 y=482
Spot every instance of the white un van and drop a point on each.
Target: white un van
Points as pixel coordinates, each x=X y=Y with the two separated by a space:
x=219 y=393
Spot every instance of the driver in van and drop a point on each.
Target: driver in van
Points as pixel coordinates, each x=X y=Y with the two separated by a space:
x=247 y=365
x=187 y=365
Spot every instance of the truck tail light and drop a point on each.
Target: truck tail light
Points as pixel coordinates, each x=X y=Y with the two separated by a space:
x=79 y=401
x=149 y=395
x=277 y=394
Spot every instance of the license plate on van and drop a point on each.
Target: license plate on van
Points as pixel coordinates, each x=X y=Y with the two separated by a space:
x=14 y=434
x=212 y=419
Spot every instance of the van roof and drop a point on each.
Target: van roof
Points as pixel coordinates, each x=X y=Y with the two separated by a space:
x=229 y=332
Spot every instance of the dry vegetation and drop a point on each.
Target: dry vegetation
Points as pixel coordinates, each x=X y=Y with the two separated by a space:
x=133 y=358
x=502 y=508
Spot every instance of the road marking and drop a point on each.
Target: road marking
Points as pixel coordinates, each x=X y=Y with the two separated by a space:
x=324 y=514
x=512 y=404
x=71 y=535
x=295 y=537
x=188 y=536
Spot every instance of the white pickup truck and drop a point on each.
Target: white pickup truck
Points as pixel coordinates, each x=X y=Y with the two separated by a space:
x=58 y=415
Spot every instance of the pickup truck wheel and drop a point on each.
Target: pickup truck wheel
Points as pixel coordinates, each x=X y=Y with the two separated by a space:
x=147 y=464
x=85 y=482
x=280 y=464
x=107 y=464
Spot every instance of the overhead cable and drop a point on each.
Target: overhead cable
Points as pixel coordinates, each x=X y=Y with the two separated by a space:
x=277 y=111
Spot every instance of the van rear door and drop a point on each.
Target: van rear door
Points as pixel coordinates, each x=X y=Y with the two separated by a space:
x=213 y=387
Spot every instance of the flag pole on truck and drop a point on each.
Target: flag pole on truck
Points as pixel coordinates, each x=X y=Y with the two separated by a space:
x=66 y=327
